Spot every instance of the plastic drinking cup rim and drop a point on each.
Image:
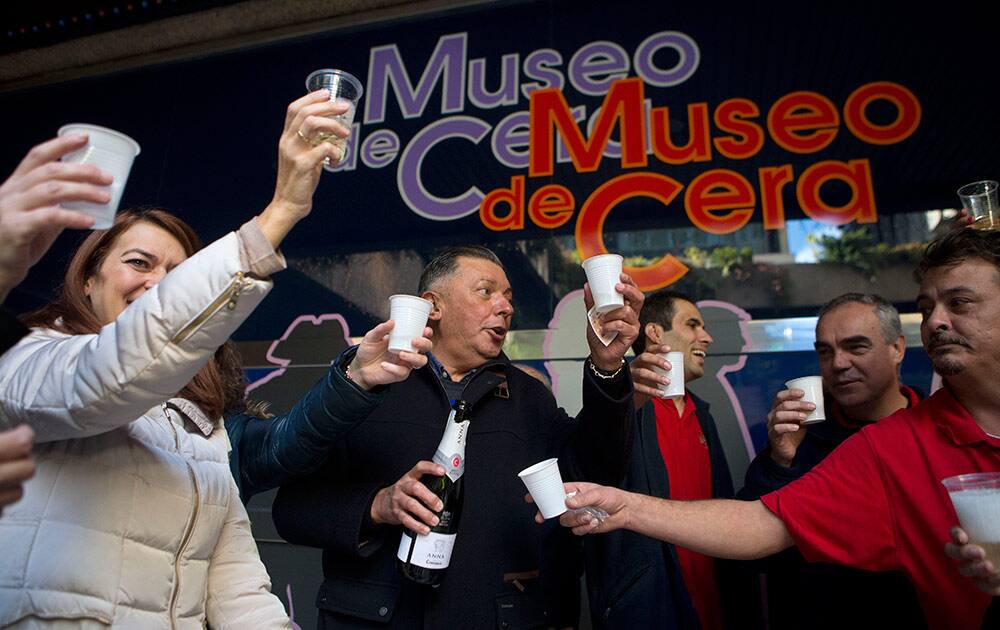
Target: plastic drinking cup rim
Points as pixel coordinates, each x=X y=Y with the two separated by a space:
x=421 y=305
x=601 y=260
x=87 y=127
x=976 y=189
x=534 y=468
x=353 y=80
x=972 y=481
x=793 y=383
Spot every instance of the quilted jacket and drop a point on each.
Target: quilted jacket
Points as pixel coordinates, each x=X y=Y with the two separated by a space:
x=133 y=519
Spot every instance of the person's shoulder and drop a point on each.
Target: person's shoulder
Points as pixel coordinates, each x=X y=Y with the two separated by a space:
x=905 y=421
x=526 y=381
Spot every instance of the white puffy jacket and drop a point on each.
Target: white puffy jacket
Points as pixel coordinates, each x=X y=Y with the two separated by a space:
x=133 y=518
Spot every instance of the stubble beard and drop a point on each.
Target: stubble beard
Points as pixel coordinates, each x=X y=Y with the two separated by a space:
x=947 y=366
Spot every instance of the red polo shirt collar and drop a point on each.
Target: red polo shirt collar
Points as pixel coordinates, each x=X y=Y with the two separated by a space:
x=955 y=422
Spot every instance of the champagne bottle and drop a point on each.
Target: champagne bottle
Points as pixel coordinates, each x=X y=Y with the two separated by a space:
x=424 y=559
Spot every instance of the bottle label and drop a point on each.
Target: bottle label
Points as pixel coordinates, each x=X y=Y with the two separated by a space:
x=450 y=453
x=432 y=551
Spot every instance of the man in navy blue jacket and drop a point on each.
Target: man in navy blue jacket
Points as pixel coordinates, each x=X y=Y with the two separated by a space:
x=504 y=571
x=860 y=346
x=634 y=581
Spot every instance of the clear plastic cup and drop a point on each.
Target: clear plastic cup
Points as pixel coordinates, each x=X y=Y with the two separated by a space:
x=980 y=199
x=409 y=312
x=111 y=151
x=813 y=388
x=603 y=273
x=976 y=497
x=342 y=86
x=544 y=484
x=675 y=374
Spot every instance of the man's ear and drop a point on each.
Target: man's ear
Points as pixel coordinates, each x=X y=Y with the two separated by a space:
x=899 y=350
x=435 y=314
x=654 y=333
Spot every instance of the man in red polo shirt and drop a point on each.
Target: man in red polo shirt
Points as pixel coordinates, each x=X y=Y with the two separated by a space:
x=676 y=453
x=877 y=502
x=860 y=346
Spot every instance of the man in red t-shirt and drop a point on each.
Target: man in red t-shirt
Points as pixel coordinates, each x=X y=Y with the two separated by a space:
x=875 y=503
x=676 y=453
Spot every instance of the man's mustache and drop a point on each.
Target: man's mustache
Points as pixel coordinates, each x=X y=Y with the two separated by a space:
x=941 y=339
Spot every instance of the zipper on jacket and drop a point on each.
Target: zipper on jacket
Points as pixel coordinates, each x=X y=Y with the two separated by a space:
x=188 y=531
x=227 y=298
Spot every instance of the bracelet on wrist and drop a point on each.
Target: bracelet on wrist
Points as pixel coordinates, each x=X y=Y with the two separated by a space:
x=605 y=375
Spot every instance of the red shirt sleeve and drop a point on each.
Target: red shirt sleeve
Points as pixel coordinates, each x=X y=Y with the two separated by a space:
x=839 y=511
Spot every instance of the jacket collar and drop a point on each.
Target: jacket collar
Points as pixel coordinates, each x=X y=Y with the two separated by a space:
x=484 y=379
x=193 y=413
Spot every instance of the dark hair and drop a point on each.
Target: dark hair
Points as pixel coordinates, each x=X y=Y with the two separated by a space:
x=658 y=308
x=888 y=316
x=958 y=246
x=213 y=387
x=445 y=264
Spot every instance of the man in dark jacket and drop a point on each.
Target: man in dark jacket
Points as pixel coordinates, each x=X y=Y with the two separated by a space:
x=502 y=571
x=634 y=581
x=860 y=345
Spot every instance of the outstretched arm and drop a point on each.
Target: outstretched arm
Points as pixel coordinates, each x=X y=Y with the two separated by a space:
x=723 y=528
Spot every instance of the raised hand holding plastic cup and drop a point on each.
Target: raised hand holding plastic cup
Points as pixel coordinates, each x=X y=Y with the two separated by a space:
x=342 y=87
x=980 y=199
x=603 y=273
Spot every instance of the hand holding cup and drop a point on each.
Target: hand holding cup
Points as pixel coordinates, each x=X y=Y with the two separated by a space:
x=374 y=364
x=31 y=212
x=300 y=164
x=623 y=321
x=785 y=424
x=973 y=563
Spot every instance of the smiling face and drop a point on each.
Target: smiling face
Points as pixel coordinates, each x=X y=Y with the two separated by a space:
x=960 y=310
x=859 y=367
x=471 y=314
x=137 y=261
x=687 y=335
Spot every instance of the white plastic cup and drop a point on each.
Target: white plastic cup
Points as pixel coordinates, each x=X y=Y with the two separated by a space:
x=111 y=151
x=976 y=498
x=675 y=374
x=603 y=273
x=813 y=388
x=342 y=87
x=544 y=483
x=980 y=199
x=410 y=314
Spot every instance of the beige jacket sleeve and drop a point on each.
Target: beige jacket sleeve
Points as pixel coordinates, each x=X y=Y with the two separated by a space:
x=73 y=386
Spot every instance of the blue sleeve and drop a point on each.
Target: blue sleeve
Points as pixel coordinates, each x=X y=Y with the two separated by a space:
x=272 y=452
x=765 y=475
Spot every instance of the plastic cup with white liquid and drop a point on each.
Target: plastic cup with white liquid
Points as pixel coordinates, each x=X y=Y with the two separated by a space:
x=343 y=87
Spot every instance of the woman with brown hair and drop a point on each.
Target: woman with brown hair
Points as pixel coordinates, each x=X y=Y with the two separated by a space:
x=133 y=518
